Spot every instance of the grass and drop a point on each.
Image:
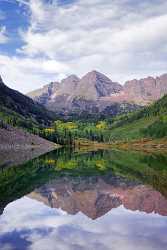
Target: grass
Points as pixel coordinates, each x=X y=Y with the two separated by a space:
x=131 y=131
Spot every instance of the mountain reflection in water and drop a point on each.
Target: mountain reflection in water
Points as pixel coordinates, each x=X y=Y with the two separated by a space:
x=95 y=196
x=96 y=200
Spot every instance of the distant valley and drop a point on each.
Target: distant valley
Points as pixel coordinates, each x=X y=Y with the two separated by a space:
x=78 y=111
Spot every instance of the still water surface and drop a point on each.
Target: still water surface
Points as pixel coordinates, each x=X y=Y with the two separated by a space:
x=103 y=200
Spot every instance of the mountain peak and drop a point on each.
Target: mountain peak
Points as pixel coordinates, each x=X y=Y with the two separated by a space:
x=71 y=78
x=67 y=86
x=98 y=90
x=95 y=76
x=95 y=73
x=95 y=85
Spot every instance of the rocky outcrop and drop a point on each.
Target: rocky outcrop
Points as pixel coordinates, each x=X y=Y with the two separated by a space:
x=95 y=91
x=12 y=138
x=95 y=196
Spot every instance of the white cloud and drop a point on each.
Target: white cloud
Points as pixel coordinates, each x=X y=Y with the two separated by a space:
x=26 y=73
x=123 y=39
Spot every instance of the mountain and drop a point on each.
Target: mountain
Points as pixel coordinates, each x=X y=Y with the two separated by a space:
x=95 y=196
x=95 y=85
x=16 y=106
x=95 y=93
x=91 y=87
x=146 y=90
x=88 y=94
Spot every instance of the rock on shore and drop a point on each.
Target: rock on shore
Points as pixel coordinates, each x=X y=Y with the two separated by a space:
x=13 y=138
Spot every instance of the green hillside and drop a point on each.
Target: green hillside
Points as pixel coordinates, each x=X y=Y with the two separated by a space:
x=20 y=110
x=148 y=122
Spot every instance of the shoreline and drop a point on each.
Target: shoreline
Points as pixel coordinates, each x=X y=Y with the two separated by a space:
x=15 y=156
x=16 y=147
x=144 y=144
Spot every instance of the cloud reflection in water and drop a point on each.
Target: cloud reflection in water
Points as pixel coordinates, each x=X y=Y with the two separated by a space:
x=35 y=226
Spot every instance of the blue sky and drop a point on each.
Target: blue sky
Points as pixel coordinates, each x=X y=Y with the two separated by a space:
x=13 y=19
x=47 y=40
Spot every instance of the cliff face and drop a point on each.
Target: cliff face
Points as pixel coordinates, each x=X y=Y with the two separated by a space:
x=95 y=91
x=95 y=197
x=146 y=90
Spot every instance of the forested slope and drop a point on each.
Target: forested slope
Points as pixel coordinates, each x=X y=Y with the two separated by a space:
x=148 y=122
x=18 y=109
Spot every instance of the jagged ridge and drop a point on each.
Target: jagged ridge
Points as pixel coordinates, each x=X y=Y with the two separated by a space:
x=95 y=92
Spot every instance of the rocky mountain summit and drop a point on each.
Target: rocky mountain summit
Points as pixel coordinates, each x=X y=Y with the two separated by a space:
x=95 y=85
x=95 y=92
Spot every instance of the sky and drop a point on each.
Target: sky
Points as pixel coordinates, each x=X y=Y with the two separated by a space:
x=46 y=40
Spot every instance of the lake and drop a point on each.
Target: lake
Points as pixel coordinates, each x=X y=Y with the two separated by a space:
x=96 y=200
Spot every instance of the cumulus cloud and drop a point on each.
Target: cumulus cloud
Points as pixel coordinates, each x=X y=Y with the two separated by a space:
x=45 y=228
x=123 y=39
x=25 y=73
